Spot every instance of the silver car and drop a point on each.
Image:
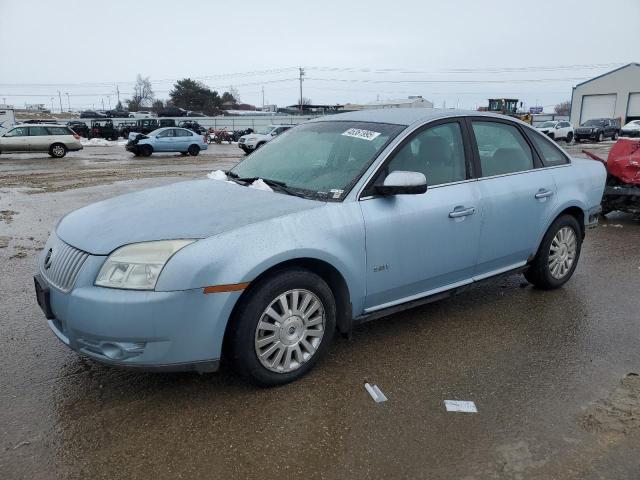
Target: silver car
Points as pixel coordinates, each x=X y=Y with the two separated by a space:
x=57 y=140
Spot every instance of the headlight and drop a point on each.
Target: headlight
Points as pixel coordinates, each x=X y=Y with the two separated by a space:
x=138 y=266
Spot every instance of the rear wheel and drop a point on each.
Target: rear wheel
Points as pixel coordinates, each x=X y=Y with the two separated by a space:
x=558 y=254
x=283 y=327
x=57 y=150
x=194 y=150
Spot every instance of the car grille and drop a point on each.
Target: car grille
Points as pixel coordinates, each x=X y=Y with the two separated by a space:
x=61 y=263
x=242 y=140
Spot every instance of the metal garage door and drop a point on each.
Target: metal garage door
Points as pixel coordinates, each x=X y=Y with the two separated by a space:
x=633 y=109
x=597 y=106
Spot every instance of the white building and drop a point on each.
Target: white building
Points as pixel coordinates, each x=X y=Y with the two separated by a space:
x=413 y=101
x=615 y=94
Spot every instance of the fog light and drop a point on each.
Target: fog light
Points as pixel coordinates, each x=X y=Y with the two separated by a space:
x=112 y=351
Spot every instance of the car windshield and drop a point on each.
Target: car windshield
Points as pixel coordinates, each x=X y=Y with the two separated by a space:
x=322 y=159
x=265 y=130
x=547 y=125
x=593 y=123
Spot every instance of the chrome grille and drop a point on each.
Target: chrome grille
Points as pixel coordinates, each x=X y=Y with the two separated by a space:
x=61 y=263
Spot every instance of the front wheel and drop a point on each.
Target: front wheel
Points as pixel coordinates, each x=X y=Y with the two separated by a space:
x=146 y=150
x=600 y=137
x=194 y=150
x=569 y=137
x=558 y=254
x=283 y=327
x=615 y=136
x=57 y=150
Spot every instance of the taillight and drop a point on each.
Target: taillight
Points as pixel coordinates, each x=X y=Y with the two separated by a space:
x=76 y=136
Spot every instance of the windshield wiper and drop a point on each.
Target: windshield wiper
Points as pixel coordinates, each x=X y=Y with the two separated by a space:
x=275 y=184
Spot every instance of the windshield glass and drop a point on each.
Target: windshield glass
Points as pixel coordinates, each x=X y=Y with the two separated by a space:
x=593 y=123
x=547 y=125
x=264 y=130
x=322 y=158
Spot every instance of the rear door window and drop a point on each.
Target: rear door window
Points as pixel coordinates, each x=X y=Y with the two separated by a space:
x=58 y=131
x=38 y=131
x=549 y=152
x=502 y=148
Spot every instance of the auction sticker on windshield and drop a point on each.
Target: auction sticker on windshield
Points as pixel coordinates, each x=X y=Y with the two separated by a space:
x=360 y=133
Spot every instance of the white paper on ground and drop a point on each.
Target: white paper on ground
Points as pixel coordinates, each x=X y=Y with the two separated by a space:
x=217 y=175
x=375 y=393
x=460 y=406
x=260 y=185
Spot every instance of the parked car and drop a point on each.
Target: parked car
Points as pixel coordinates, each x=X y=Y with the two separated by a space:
x=81 y=128
x=92 y=114
x=253 y=141
x=193 y=126
x=598 y=129
x=141 y=114
x=172 y=112
x=166 y=122
x=350 y=217
x=631 y=129
x=195 y=114
x=55 y=139
x=117 y=114
x=557 y=130
x=103 y=129
x=166 y=140
x=39 y=121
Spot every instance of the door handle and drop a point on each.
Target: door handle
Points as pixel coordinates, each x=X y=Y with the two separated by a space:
x=462 y=212
x=543 y=193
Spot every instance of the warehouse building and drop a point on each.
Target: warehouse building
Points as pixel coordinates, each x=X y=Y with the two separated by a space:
x=615 y=94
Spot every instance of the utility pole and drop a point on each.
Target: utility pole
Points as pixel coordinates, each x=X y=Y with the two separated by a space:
x=102 y=104
x=68 y=101
x=118 y=92
x=60 y=98
x=263 y=97
x=51 y=104
x=109 y=100
x=301 y=75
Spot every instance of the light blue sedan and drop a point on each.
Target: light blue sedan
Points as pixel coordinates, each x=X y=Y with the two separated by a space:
x=167 y=139
x=340 y=220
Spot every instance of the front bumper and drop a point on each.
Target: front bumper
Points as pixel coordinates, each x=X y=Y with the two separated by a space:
x=168 y=331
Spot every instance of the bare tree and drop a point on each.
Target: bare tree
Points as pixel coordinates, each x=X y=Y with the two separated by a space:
x=563 y=108
x=142 y=94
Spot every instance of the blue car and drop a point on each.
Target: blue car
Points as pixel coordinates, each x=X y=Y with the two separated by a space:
x=168 y=139
x=342 y=219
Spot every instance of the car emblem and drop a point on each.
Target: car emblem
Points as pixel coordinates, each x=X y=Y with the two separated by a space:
x=47 y=259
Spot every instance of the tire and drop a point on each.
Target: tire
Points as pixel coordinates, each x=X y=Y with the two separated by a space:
x=146 y=150
x=259 y=145
x=184 y=154
x=286 y=362
x=57 y=150
x=194 y=150
x=569 y=137
x=543 y=272
x=600 y=137
x=577 y=140
x=615 y=135
x=552 y=136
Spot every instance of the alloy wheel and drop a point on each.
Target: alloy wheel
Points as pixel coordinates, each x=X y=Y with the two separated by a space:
x=58 y=150
x=290 y=330
x=562 y=252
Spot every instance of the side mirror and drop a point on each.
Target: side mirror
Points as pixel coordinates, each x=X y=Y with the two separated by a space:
x=403 y=183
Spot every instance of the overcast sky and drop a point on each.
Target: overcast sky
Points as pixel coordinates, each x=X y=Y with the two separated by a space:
x=458 y=52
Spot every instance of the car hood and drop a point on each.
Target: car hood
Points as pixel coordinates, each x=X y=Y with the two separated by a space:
x=631 y=126
x=193 y=209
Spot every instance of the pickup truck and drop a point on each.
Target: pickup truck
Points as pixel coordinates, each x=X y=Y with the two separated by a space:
x=146 y=125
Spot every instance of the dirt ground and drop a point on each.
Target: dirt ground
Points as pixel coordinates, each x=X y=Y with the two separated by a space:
x=554 y=375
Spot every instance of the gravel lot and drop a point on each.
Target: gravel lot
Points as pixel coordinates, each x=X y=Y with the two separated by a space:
x=552 y=373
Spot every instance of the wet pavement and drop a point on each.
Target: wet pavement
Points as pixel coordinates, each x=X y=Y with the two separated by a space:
x=549 y=372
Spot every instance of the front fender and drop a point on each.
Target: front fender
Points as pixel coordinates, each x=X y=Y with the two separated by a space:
x=333 y=234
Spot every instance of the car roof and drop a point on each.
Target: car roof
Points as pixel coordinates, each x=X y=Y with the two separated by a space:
x=405 y=116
